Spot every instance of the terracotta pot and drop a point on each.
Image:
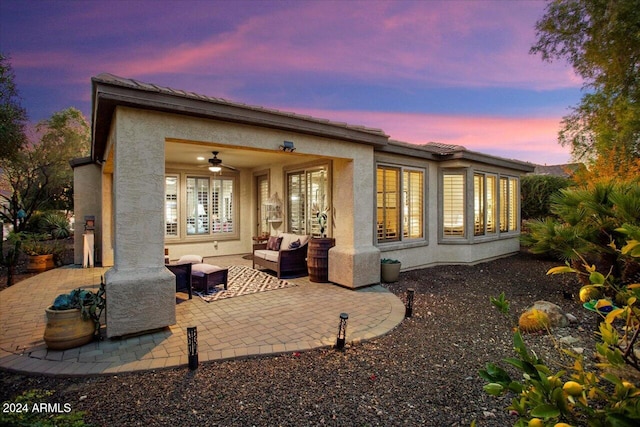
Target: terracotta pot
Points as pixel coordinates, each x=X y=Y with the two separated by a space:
x=39 y=263
x=390 y=272
x=67 y=329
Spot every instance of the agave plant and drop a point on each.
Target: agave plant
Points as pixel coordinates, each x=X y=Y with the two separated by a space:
x=88 y=302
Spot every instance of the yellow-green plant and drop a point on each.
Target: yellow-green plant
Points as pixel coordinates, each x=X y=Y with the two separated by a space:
x=577 y=394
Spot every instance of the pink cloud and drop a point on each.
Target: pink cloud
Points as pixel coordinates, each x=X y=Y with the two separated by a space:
x=472 y=44
x=526 y=139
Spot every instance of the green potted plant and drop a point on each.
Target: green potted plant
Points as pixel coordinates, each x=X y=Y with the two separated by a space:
x=40 y=253
x=74 y=318
x=390 y=270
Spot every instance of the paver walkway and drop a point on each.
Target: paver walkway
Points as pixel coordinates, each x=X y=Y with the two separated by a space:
x=284 y=320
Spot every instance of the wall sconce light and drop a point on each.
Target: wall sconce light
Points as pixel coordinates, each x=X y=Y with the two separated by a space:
x=342 y=331
x=287 y=147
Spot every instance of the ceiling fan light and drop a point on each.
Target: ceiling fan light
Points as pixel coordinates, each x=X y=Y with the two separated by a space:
x=215 y=168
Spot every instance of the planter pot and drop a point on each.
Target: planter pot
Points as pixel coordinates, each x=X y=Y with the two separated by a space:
x=40 y=263
x=390 y=272
x=318 y=258
x=67 y=329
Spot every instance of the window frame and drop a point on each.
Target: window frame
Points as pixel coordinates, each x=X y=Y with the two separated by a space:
x=506 y=205
x=307 y=224
x=401 y=200
x=212 y=234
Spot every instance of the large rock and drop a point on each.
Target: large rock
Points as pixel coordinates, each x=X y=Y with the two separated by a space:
x=557 y=317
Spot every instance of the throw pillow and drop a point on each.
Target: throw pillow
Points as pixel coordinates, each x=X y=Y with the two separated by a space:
x=274 y=243
x=295 y=245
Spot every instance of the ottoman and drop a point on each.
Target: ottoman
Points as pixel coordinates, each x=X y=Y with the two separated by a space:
x=205 y=276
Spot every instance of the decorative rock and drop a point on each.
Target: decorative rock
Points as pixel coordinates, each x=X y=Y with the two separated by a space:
x=569 y=340
x=571 y=317
x=557 y=317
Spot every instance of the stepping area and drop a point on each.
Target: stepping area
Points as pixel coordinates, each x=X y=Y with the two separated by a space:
x=294 y=319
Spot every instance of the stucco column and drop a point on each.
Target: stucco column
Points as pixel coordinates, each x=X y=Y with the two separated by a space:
x=354 y=262
x=140 y=290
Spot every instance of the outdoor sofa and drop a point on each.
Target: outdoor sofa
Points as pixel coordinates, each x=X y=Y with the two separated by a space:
x=285 y=253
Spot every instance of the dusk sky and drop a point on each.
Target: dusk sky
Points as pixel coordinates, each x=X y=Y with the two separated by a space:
x=455 y=72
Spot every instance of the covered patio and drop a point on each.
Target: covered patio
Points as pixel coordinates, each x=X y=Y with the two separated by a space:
x=294 y=319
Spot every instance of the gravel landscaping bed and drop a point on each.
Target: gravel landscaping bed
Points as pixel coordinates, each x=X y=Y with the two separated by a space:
x=423 y=373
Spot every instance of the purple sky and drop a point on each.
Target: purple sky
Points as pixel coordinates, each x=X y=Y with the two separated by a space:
x=455 y=72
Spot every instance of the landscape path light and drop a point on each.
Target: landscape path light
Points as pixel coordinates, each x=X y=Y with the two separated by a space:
x=192 y=346
x=342 y=331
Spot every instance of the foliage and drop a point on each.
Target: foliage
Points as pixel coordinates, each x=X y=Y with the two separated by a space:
x=13 y=116
x=90 y=303
x=40 y=177
x=389 y=261
x=601 y=40
x=27 y=412
x=588 y=222
x=536 y=192
x=10 y=259
x=576 y=394
x=35 y=244
x=52 y=223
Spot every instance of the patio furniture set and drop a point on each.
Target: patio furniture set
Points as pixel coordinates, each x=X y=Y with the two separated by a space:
x=285 y=254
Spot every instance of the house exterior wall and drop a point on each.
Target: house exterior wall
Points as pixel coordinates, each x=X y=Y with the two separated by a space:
x=355 y=259
x=433 y=250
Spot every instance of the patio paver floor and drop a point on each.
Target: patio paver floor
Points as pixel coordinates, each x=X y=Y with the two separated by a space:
x=299 y=318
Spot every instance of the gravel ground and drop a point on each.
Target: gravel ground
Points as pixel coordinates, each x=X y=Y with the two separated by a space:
x=423 y=373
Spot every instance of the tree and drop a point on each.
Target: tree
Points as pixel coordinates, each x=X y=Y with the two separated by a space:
x=12 y=116
x=40 y=177
x=601 y=40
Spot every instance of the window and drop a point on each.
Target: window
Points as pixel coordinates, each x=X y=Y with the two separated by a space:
x=400 y=200
x=208 y=206
x=453 y=216
x=307 y=195
x=412 y=206
x=484 y=198
x=508 y=204
x=197 y=206
x=171 y=206
x=495 y=204
x=388 y=217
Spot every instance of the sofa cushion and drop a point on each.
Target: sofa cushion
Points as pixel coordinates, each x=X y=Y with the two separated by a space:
x=190 y=259
x=267 y=254
x=201 y=269
x=274 y=243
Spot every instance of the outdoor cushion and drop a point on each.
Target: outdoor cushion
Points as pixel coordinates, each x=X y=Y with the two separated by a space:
x=201 y=269
x=190 y=259
x=266 y=254
x=274 y=243
x=288 y=238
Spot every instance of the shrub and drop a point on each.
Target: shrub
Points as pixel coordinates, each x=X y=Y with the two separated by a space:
x=577 y=395
x=536 y=193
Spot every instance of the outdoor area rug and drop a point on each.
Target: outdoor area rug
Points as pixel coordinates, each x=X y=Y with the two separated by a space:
x=242 y=281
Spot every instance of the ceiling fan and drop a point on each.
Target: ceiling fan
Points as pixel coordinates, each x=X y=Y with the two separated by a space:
x=216 y=165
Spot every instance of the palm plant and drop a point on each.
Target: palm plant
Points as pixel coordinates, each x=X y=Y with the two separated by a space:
x=587 y=222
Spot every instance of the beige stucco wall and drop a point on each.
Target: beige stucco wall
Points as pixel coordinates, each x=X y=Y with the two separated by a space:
x=86 y=201
x=140 y=290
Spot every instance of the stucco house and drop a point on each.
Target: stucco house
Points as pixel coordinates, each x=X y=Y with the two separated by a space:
x=148 y=185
